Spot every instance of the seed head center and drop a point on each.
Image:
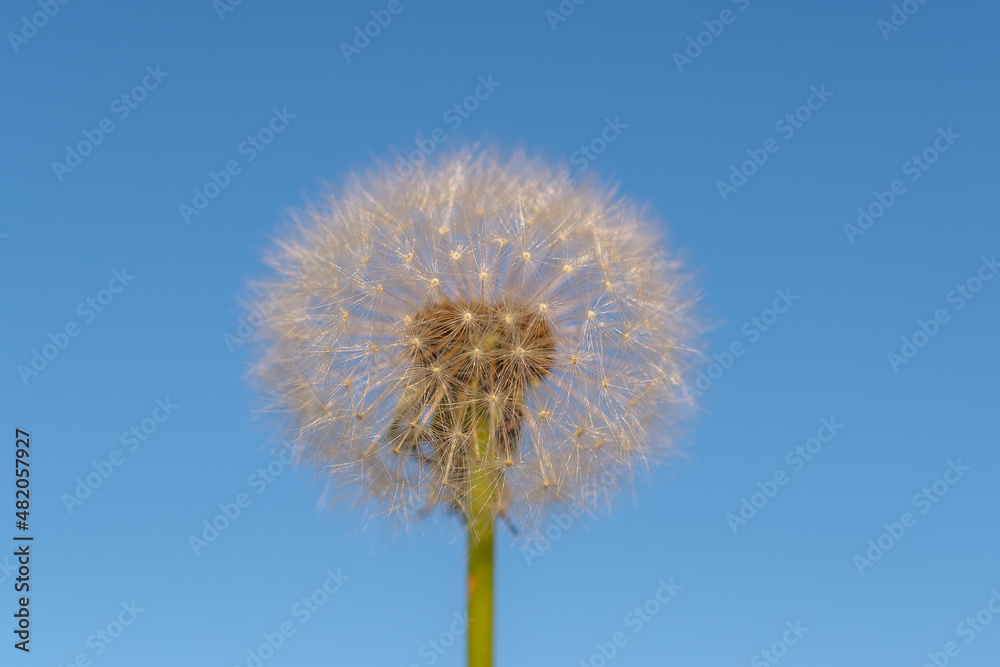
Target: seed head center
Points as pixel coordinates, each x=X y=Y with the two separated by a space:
x=483 y=348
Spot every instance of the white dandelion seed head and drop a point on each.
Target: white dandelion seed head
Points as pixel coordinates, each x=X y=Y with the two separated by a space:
x=481 y=312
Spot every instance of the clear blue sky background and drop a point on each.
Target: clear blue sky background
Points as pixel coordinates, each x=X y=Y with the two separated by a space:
x=824 y=358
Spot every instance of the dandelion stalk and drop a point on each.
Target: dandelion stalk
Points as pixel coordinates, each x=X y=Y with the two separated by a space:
x=481 y=598
x=480 y=543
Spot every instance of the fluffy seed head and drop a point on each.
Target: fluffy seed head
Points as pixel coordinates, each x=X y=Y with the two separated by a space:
x=479 y=315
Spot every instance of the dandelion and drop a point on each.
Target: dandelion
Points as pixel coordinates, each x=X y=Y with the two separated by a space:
x=481 y=336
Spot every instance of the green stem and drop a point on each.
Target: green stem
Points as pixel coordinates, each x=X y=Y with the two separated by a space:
x=482 y=510
x=481 y=598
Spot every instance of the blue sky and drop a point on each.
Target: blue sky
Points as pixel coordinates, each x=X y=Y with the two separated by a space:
x=116 y=118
